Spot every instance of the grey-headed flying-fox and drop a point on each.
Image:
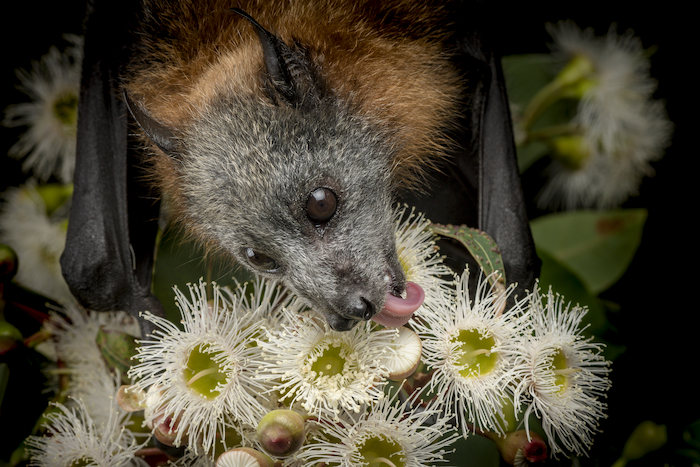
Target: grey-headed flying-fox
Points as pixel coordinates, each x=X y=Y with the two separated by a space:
x=280 y=133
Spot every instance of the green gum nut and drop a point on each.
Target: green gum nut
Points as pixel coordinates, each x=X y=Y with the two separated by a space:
x=572 y=151
x=203 y=373
x=281 y=432
x=380 y=452
x=476 y=356
x=646 y=437
x=8 y=263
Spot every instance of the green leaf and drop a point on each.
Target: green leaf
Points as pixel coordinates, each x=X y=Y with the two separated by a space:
x=525 y=75
x=480 y=245
x=597 y=246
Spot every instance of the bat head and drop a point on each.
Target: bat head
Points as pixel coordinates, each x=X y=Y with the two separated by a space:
x=296 y=187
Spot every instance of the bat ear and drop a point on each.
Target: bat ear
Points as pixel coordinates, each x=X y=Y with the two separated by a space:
x=279 y=58
x=161 y=135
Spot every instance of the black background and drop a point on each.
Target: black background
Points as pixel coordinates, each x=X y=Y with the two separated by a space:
x=656 y=378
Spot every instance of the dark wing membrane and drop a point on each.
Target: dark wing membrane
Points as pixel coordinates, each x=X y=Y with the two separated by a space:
x=482 y=187
x=108 y=256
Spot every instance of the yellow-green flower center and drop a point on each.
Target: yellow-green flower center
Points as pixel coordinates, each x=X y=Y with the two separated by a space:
x=203 y=373
x=65 y=108
x=562 y=372
x=379 y=452
x=331 y=362
x=474 y=353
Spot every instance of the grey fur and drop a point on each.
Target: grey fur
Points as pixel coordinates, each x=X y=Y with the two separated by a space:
x=247 y=171
x=247 y=165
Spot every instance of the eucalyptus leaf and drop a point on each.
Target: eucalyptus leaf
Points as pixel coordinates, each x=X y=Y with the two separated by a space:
x=480 y=245
x=597 y=246
x=525 y=75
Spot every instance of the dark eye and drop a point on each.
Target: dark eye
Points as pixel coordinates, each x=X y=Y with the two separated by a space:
x=321 y=205
x=260 y=261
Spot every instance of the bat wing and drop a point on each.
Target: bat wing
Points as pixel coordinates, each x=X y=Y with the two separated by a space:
x=482 y=187
x=108 y=258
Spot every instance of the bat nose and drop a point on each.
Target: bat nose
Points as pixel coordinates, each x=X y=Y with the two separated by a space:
x=359 y=307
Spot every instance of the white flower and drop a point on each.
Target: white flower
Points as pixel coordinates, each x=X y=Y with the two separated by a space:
x=622 y=129
x=468 y=346
x=389 y=433
x=418 y=254
x=204 y=373
x=38 y=237
x=325 y=371
x=53 y=86
x=74 y=439
x=561 y=374
x=265 y=299
x=74 y=331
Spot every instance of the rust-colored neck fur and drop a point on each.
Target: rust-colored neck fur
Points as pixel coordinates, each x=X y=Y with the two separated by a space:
x=386 y=60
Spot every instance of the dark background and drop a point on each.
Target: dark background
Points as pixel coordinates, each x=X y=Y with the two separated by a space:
x=657 y=321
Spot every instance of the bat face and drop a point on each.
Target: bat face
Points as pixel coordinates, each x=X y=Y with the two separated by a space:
x=292 y=181
x=299 y=195
x=303 y=197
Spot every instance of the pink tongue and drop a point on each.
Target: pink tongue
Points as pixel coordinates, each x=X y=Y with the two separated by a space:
x=397 y=311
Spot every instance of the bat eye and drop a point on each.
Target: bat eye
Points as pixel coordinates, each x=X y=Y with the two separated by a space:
x=321 y=205
x=260 y=261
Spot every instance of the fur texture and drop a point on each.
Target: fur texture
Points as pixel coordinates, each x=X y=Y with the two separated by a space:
x=368 y=96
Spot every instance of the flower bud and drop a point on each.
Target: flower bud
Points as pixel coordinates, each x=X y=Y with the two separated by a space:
x=646 y=437
x=9 y=336
x=131 y=398
x=244 y=457
x=166 y=430
x=404 y=362
x=572 y=151
x=117 y=349
x=8 y=263
x=517 y=447
x=281 y=432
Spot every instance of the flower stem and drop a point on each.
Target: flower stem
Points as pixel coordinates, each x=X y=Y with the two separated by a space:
x=544 y=98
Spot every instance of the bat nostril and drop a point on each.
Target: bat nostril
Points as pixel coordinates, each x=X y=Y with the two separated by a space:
x=368 y=310
x=360 y=308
